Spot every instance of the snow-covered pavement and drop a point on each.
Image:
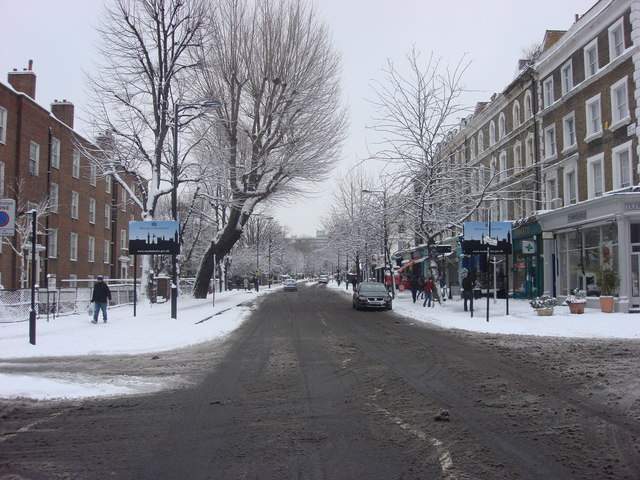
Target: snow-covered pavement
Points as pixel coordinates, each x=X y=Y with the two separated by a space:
x=152 y=330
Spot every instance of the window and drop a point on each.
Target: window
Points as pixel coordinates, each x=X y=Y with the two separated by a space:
x=517 y=157
x=91 y=250
x=622 y=168
x=3 y=125
x=616 y=40
x=547 y=92
x=73 y=247
x=502 y=127
x=619 y=104
x=54 y=191
x=472 y=148
x=591 y=59
x=529 y=151
x=528 y=105
x=93 y=174
x=55 y=152
x=34 y=158
x=480 y=142
x=595 y=176
x=107 y=252
x=75 y=165
x=107 y=216
x=1 y=179
x=75 y=200
x=515 y=113
x=570 y=186
x=124 y=246
x=52 y=238
x=492 y=133
x=92 y=211
x=551 y=191
x=550 y=141
x=568 y=132
x=594 y=120
x=504 y=167
x=123 y=206
x=108 y=180
x=566 y=74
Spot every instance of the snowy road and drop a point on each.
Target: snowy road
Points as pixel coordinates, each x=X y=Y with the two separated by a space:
x=309 y=388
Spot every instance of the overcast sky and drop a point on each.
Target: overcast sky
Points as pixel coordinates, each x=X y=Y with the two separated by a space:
x=59 y=37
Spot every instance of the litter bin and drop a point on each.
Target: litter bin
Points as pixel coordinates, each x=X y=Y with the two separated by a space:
x=454 y=289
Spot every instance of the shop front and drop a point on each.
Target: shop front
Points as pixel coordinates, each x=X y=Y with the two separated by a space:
x=584 y=238
x=528 y=278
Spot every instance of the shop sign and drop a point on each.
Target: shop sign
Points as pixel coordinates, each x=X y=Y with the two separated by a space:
x=577 y=217
x=632 y=206
x=528 y=247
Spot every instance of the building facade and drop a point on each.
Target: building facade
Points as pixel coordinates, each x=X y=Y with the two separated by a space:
x=82 y=214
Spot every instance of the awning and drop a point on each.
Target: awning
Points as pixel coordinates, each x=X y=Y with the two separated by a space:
x=413 y=260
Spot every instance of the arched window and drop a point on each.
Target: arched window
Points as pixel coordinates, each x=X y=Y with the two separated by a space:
x=516 y=114
x=502 y=126
x=472 y=148
x=528 y=105
x=480 y=142
x=492 y=133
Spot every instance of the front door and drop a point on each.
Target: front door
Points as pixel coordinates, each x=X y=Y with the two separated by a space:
x=635 y=277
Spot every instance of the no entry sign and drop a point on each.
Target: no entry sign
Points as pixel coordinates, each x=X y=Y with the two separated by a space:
x=7 y=217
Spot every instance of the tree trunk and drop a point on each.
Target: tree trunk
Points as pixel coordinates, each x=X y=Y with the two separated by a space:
x=217 y=249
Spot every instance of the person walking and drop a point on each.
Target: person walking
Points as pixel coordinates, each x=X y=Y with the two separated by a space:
x=413 y=284
x=245 y=282
x=101 y=294
x=428 y=293
x=421 y=282
x=467 y=291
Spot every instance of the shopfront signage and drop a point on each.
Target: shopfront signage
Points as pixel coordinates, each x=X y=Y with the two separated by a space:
x=528 y=247
x=632 y=206
x=577 y=217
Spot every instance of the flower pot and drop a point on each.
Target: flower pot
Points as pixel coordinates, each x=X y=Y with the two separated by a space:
x=606 y=304
x=576 y=307
x=545 y=312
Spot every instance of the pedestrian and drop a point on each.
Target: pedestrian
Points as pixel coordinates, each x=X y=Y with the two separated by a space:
x=246 y=284
x=413 y=284
x=443 y=288
x=428 y=292
x=339 y=279
x=256 y=282
x=101 y=294
x=467 y=291
x=354 y=282
x=421 y=283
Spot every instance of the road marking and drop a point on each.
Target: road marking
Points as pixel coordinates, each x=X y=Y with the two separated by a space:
x=444 y=457
x=29 y=427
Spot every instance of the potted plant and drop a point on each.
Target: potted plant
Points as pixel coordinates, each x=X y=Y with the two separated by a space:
x=577 y=301
x=607 y=279
x=544 y=305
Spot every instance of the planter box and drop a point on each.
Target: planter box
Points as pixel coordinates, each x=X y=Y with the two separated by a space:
x=607 y=304
x=576 y=307
x=545 y=312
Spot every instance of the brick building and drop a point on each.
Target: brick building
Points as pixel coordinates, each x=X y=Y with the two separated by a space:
x=82 y=214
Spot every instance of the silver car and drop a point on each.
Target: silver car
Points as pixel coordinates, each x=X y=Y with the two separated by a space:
x=290 y=285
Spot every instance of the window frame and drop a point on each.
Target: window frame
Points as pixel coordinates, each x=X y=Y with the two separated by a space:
x=592 y=46
x=75 y=164
x=3 y=125
x=92 y=211
x=550 y=148
x=73 y=247
x=54 y=197
x=502 y=126
x=595 y=185
x=566 y=77
x=515 y=114
x=613 y=51
x=590 y=119
x=547 y=92
x=492 y=133
x=106 y=254
x=528 y=105
x=618 y=120
x=567 y=145
x=107 y=216
x=91 y=249
x=52 y=242
x=615 y=164
x=34 y=163
x=75 y=205
x=55 y=153
x=570 y=185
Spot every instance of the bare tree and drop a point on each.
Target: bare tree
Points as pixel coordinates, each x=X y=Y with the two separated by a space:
x=417 y=114
x=273 y=68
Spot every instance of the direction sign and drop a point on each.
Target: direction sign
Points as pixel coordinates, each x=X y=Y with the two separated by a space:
x=7 y=217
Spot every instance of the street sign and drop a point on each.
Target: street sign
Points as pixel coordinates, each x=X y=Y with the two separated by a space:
x=7 y=217
x=161 y=237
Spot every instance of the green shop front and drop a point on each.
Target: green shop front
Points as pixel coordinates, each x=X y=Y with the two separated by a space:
x=528 y=277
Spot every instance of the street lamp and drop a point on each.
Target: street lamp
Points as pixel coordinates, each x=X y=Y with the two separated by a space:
x=174 y=192
x=385 y=236
x=259 y=215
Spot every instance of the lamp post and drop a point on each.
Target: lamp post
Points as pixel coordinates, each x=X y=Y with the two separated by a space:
x=385 y=238
x=174 y=192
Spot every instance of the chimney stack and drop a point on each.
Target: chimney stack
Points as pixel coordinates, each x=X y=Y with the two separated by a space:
x=63 y=111
x=24 y=81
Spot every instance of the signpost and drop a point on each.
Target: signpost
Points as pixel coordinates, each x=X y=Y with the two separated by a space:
x=7 y=217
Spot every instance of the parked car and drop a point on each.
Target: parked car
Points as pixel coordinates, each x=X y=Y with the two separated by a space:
x=290 y=285
x=323 y=279
x=372 y=295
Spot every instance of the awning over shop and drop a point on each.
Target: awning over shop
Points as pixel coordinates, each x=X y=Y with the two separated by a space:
x=408 y=264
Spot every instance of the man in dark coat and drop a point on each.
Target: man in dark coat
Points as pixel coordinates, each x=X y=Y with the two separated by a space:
x=467 y=291
x=101 y=294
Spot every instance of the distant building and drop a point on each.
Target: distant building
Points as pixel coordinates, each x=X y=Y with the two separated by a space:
x=83 y=215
